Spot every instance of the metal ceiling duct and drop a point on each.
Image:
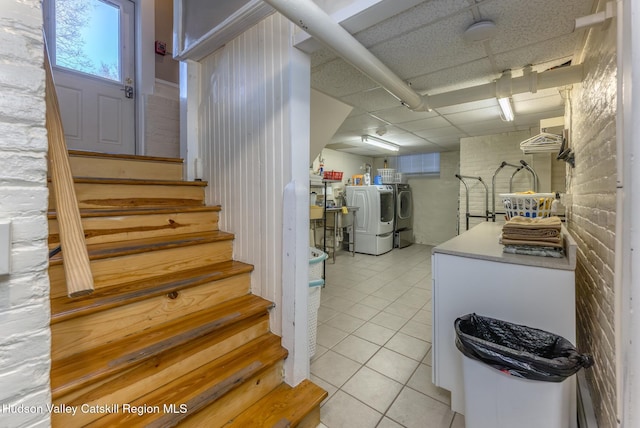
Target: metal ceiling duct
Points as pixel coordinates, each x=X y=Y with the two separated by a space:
x=312 y=19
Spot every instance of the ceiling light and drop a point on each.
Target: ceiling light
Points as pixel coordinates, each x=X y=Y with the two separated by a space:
x=379 y=142
x=480 y=31
x=507 y=111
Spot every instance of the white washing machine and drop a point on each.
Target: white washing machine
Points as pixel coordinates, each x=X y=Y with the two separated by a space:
x=374 y=218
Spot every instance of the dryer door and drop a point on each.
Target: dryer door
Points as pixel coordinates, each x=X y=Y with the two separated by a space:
x=404 y=207
x=386 y=207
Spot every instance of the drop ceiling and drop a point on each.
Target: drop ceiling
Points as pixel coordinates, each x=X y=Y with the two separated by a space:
x=423 y=43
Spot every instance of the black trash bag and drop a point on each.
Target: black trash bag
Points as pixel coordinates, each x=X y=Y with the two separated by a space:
x=518 y=350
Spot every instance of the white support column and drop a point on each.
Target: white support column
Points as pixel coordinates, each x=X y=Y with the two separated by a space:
x=295 y=245
x=628 y=339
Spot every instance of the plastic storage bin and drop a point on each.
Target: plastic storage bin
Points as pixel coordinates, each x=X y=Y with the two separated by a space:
x=388 y=175
x=515 y=376
x=316 y=259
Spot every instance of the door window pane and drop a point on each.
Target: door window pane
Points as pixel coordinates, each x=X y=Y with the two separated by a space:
x=87 y=37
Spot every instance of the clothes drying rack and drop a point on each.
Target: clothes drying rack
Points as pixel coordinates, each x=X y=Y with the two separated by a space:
x=468 y=214
x=523 y=166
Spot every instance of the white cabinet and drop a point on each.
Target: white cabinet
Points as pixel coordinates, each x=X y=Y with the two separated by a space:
x=472 y=274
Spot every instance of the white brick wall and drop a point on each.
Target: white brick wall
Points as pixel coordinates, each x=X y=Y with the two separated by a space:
x=592 y=185
x=481 y=156
x=24 y=294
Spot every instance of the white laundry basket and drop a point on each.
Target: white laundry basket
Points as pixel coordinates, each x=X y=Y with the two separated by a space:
x=316 y=259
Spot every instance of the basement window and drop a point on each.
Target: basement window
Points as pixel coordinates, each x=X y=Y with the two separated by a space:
x=421 y=164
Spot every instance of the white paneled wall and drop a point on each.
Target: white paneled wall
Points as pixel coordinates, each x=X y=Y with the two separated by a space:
x=245 y=145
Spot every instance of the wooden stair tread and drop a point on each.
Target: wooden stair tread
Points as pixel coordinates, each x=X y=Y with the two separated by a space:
x=70 y=373
x=108 y=212
x=137 y=246
x=124 y=156
x=137 y=181
x=283 y=407
x=202 y=386
x=63 y=308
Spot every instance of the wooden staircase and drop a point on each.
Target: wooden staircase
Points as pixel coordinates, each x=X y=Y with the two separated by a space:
x=171 y=335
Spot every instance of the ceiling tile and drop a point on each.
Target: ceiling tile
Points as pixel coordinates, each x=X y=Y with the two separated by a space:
x=487 y=128
x=518 y=27
x=431 y=48
x=401 y=114
x=448 y=131
x=322 y=56
x=417 y=17
x=372 y=100
x=424 y=45
x=537 y=105
x=424 y=124
x=553 y=52
x=458 y=108
x=473 y=116
x=461 y=75
x=360 y=123
x=337 y=78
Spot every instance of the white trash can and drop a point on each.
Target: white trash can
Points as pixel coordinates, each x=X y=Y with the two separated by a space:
x=515 y=375
x=497 y=400
x=316 y=259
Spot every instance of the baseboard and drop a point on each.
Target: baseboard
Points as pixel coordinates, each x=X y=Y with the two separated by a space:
x=586 y=414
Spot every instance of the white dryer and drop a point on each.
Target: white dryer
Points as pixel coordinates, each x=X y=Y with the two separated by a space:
x=374 y=218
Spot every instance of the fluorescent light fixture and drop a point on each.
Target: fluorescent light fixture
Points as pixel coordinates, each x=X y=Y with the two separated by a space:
x=507 y=111
x=379 y=142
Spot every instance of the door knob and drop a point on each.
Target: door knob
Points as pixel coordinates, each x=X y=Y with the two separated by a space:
x=128 y=91
x=128 y=88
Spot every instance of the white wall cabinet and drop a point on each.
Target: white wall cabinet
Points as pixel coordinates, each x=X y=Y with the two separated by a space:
x=471 y=274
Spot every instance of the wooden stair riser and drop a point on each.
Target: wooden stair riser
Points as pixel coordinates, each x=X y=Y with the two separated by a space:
x=219 y=412
x=115 y=195
x=213 y=416
x=113 y=167
x=126 y=387
x=84 y=333
x=204 y=385
x=157 y=342
x=284 y=404
x=123 y=228
x=63 y=308
x=111 y=271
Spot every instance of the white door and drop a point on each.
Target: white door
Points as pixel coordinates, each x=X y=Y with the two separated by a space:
x=92 y=46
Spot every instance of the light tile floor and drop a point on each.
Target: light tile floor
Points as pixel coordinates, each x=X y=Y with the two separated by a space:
x=373 y=352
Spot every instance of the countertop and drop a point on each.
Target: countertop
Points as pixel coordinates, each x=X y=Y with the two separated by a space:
x=481 y=242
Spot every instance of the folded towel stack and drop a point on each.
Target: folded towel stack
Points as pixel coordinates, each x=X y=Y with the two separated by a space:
x=534 y=236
